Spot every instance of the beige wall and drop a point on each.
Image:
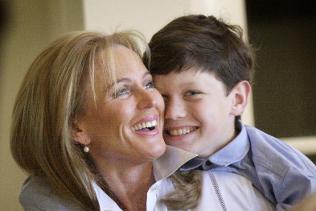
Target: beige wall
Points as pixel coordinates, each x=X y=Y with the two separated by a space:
x=34 y=23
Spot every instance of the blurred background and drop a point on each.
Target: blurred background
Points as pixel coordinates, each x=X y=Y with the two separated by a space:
x=283 y=32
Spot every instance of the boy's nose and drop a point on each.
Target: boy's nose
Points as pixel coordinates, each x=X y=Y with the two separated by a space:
x=174 y=110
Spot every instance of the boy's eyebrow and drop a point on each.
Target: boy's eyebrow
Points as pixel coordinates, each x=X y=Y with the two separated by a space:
x=184 y=84
x=189 y=83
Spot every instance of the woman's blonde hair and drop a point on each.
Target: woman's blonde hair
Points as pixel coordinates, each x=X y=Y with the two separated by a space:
x=187 y=190
x=50 y=99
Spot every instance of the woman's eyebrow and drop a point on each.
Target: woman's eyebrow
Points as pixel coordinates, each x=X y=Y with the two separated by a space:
x=125 y=79
x=117 y=82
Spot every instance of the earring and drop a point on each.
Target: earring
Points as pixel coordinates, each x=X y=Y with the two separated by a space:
x=86 y=149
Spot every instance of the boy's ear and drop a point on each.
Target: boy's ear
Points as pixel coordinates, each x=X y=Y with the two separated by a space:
x=79 y=134
x=239 y=95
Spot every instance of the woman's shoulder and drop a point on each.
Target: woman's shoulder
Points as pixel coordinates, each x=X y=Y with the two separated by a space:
x=37 y=194
x=35 y=190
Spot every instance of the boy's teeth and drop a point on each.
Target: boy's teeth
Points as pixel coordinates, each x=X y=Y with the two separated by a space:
x=143 y=125
x=181 y=131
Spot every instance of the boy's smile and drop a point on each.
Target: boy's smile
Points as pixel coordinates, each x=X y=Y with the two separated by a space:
x=199 y=115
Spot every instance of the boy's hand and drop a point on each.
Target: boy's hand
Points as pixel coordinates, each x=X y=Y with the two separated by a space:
x=307 y=204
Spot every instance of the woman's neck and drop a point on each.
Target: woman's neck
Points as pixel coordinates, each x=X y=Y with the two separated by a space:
x=127 y=184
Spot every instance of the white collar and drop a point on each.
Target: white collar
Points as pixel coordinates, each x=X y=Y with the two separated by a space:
x=105 y=202
x=170 y=161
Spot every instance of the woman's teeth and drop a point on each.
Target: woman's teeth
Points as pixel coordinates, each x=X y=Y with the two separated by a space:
x=145 y=125
x=181 y=131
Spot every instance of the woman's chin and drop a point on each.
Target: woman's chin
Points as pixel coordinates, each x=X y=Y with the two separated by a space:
x=157 y=151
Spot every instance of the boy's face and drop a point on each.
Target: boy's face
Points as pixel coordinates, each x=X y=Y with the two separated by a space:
x=199 y=115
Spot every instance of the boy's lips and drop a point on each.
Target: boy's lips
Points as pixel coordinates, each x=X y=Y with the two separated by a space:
x=180 y=131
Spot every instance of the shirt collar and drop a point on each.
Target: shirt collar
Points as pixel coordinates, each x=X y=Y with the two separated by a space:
x=105 y=202
x=171 y=161
x=234 y=151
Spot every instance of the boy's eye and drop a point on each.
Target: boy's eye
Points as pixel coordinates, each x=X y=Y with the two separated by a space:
x=149 y=85
x=192 y=93
x=165 y=98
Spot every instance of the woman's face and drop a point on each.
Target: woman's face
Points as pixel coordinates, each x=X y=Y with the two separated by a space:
x=126 y=122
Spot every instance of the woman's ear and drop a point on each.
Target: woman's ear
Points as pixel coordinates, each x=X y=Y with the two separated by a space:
x=79 y=133
x=239 y=95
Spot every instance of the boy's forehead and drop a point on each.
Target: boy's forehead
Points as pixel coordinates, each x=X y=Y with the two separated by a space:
x=190 y=74
x=184 y=78
x=187 y=78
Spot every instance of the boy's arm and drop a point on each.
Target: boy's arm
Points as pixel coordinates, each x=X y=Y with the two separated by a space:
x=285 y=175
x=295 y=187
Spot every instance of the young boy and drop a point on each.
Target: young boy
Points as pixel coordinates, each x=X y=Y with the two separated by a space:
x=202 y=68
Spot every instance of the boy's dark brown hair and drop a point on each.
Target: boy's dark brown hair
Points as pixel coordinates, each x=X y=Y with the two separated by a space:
x=203 y=42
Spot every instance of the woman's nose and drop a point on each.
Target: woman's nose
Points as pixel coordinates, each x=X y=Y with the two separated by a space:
x=147 y=99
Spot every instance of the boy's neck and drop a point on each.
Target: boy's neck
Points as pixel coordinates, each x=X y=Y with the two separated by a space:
x=235 y=131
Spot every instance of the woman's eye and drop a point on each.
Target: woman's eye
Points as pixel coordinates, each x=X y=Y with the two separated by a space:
x=121 y=92
x=149 y=85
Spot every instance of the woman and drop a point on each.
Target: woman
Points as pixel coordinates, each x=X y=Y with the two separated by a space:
x=87 y=124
